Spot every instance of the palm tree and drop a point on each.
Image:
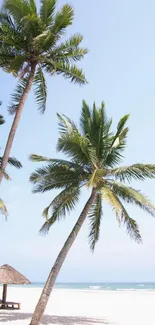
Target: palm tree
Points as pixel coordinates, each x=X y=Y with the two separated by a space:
x=95 y=153
x=13 y=162
x=31 y=46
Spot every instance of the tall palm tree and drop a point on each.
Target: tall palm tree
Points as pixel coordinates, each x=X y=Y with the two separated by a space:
x=31 y=46
x=95 y=153
x=13 y=162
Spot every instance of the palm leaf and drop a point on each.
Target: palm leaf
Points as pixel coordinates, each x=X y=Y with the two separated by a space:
x=17 y=95
x=68 y=71
x=95 y=215
x=136 y=171
x=31 y=26
x=6 y=19
x=13 y=162
x=17 y=8
x=63 y=19
x=71 y=72
x=96 y=127
x=47 y=11
x=57 y=174
x=69 y=45
x=85 y=119
x=66 y=125
x=5 y=175
x=120 y=129
x=78 y=148
x=69 y=50
x=3 y=208
x=56 y=162
x=33 y=7
x=109 y=196
x=2 y=121
x=62 y=204
x=122 y=216
x=118 y=143
x=130 y=195
x=37 y=158
x=40 y=90
x=131 y=225
x=70 y=56
x=16 y=64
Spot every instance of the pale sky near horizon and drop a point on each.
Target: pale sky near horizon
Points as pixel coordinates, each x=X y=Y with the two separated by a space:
x=120 y=68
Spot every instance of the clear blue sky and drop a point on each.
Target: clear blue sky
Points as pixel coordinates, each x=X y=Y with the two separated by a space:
x=120 y=68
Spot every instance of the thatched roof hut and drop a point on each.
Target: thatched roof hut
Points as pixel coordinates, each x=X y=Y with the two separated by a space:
x=8 y=275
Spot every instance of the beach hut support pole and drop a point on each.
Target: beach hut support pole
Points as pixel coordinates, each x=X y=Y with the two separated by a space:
x=4 y=293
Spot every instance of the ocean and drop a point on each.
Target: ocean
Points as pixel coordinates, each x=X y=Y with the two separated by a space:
x=108 y=286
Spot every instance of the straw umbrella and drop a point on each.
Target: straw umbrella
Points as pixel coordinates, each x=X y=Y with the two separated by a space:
x=8 y=275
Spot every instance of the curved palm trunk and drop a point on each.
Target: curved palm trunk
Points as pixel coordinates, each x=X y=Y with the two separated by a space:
x=41 y=305
x=16 y=120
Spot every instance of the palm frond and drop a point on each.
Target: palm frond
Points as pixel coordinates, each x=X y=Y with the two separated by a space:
x=68 y=71
x=33 y=7
x=100 y=131
x=66 y=125
x=5 y=175
x=132 y=196
x=95 y=216
x=69 y=50
x=17 y=8
x=121 y=131
x=3 y=208
x=72 y=55
x=111 y=199
x=131 y=225
x=122 y=216
x=17 y=95
x=37 y=158
x=47 y=11
x=120 y=126
x=2 y=121
x=63 y=19
x=13 y=162
x=78 y=148
x=16 y=64
x=31 y=26
x=40 y=90
x=85 y=119
x=57 y=174
x=136 y=171
x=70 y=44
x=56 y=162
x=96 y=127
x=62 y=204
x=6 y=19
x=112 y=158
x=96 y=178
x=118 y=143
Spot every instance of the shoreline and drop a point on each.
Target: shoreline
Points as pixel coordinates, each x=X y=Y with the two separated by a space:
x=89 y=290
x=87 y=307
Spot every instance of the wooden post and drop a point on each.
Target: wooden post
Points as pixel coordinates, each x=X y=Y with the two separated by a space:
x=4 y=293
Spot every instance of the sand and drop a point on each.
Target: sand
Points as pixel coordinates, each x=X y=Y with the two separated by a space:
x=72 y=307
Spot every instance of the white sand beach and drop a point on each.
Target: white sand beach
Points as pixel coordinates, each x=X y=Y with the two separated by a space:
x=73 y=307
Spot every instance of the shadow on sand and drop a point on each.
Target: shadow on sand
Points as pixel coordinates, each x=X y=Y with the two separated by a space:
x=47 y=320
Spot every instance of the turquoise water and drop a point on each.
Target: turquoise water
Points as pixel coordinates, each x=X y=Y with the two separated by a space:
x=108 y=286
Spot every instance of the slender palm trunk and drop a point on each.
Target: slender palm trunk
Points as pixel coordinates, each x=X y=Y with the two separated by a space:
x=16 y=120
x=41 y=305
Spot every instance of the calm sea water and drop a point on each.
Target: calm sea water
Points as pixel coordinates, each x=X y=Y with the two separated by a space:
x=108 y=286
